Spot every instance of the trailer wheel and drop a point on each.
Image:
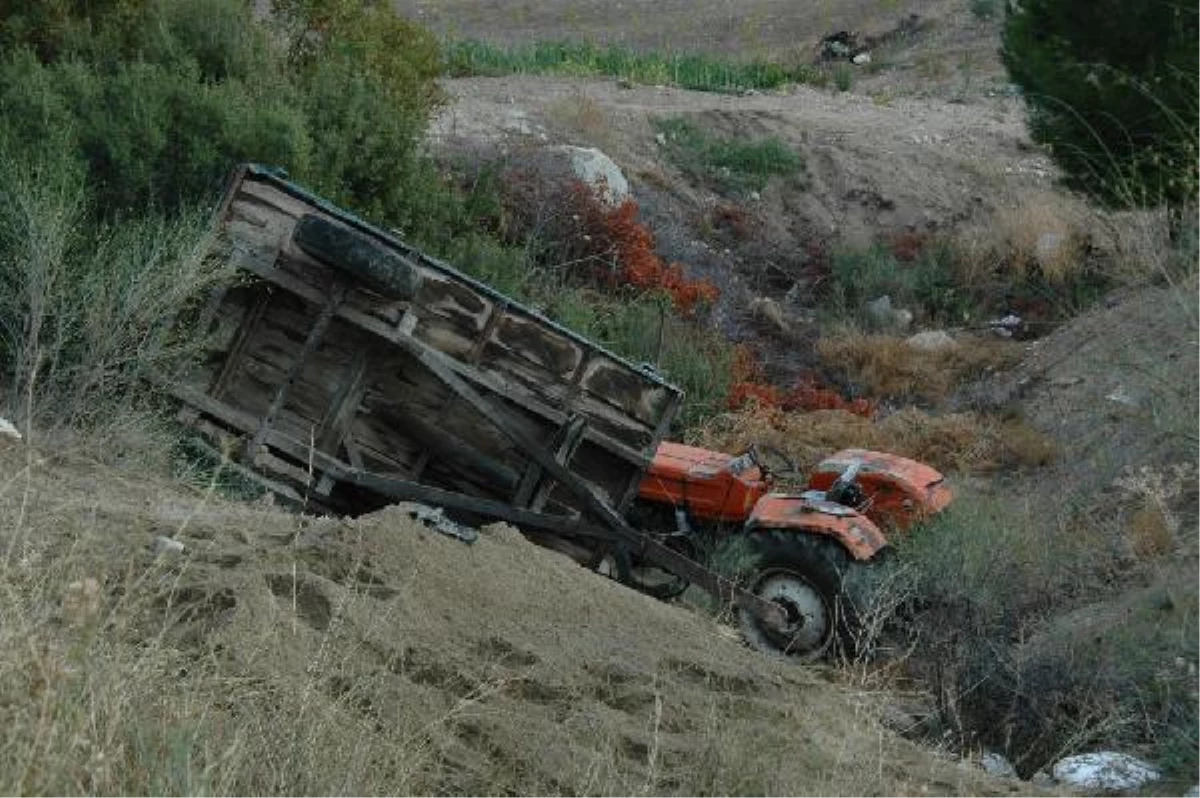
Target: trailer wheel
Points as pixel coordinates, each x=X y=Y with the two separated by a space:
x=804 y=574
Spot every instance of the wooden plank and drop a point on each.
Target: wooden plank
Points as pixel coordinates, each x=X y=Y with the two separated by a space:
x=565 y=452
x=246 y=423
x=310 y=344
x=437 y=363
x=345 y=404
x=237 y=350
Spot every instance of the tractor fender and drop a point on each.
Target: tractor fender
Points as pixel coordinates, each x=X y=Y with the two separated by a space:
x=857 y=533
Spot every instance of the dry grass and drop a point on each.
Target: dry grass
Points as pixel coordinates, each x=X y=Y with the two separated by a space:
x=887 y=367
x=1044 y=233
x=583 y=118
x=958 y=442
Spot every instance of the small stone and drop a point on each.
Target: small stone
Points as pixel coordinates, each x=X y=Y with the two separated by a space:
x=755 y=196
x=861 y=58
x=81 y=601
x=1049 y=247
x=660 y=139
x=896 y=719
x=7 y=430
x=1042 y=779
x=996 y=765
x=1105 y=770
x=1122 y=397
x=932 y=341
x=166 y=545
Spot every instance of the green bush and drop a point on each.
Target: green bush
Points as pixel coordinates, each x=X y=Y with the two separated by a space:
x=983 y=9
x=163 y=102
x=1111 y=87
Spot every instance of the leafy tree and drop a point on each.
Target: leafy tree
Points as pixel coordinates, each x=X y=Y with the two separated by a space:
x=1111 y=87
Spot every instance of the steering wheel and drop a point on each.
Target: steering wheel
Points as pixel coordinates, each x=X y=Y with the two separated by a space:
x=772 y=462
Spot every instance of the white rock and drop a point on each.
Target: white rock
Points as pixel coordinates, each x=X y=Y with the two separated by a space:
x=1122 y=397
x=166 y=545
x=660 y=139
x=7 y=430
x=996 y=765
x=884 y=316
x=597 y=170
x=880 y=309
x=931 y=341
x=861 y=58
x=1105 y=770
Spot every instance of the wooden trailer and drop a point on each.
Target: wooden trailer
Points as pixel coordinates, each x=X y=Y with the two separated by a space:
x=346 y=370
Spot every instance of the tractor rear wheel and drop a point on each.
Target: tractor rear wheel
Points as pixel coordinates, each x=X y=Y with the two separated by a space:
x=805 y=575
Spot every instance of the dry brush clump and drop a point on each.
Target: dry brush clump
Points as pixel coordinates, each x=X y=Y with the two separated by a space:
x=889 y=367
x=962 y=442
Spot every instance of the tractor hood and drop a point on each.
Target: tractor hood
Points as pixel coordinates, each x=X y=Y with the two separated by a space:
x=900 y=491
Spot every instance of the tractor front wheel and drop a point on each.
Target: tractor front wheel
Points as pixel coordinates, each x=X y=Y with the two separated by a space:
x=804 y=574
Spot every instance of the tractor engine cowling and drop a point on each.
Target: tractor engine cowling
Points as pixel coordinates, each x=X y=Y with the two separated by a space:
x=710 y=486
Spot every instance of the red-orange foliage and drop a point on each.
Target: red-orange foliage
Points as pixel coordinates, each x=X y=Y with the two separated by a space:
x=598 y=243
x=750 y=388
x=639 y=266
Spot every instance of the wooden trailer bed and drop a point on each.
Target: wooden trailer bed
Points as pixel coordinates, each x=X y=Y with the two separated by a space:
x=312 y=365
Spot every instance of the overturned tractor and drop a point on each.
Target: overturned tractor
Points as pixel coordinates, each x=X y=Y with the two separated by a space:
x=346 y=370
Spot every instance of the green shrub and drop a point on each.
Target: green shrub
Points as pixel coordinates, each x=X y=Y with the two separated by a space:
x=164 y=102
x=983 y=9
x=151 y=137
x=728 y=164
x=645 y=330
x=927 y=285
x=843 y=76
x=1115 y=98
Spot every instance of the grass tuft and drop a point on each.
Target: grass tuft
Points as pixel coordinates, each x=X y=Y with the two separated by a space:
x=726 y=163
x=470 y=57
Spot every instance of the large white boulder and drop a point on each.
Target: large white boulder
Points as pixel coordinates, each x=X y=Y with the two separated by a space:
x=1106 y=771
x=594 y=168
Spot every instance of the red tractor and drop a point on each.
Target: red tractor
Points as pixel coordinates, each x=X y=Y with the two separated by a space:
x=807 y=546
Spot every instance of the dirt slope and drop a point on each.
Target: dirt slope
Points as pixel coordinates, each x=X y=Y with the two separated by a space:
x=909 y=162
x=494 y=668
